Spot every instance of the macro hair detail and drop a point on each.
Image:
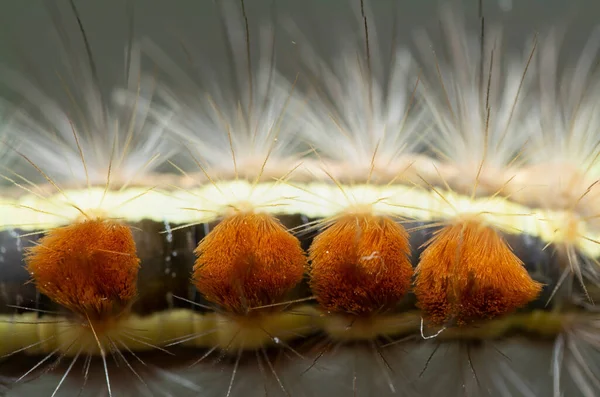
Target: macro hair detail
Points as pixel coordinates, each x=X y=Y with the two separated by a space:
x=349 y=206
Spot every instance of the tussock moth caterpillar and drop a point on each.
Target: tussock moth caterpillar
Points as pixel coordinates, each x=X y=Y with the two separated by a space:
x=353 y=165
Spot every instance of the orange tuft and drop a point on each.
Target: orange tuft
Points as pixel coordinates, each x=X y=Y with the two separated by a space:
x=89 y=267
x=468 y=273
x=360 y=265
x=248 y=260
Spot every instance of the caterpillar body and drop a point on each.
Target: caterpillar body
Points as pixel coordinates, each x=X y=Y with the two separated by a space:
x=345 y=229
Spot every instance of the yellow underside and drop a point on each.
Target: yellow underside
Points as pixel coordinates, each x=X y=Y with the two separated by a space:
x=190 y=329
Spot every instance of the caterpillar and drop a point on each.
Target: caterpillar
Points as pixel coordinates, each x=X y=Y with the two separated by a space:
x=385 y=220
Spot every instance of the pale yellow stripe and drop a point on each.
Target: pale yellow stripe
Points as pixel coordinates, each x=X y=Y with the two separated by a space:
x=316 y=200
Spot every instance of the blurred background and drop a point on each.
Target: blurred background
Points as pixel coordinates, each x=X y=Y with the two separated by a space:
x=29 y=39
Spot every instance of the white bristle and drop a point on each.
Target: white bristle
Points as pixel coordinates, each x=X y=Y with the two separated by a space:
x=562 y=129
x=7 y=140
x=477 y=101
x=575 y=358
x=355 y=116
x=232 y=128
x=568 y=107
x=361 y=124
x=106 y=134
x=361 y=110
x=488 y=368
